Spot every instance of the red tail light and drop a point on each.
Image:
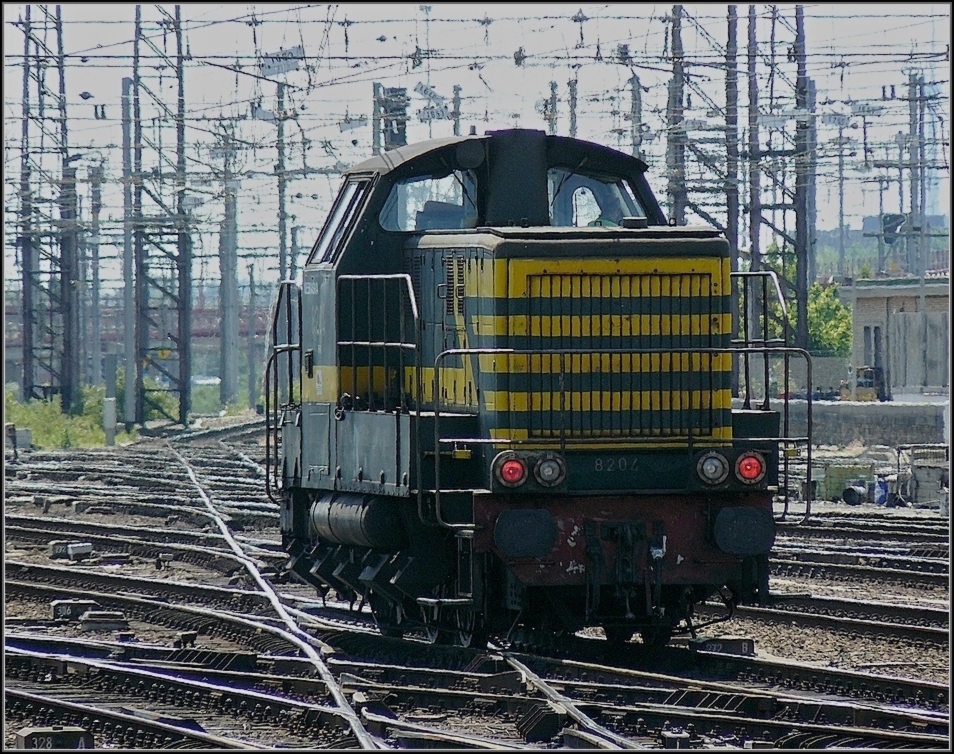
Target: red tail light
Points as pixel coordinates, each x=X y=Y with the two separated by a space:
x=513 y=471
x=510 y=470
x=750 y=468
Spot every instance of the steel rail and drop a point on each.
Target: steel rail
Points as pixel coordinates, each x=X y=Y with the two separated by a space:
x=611 y=740
x=175 y=733
x=299 y=637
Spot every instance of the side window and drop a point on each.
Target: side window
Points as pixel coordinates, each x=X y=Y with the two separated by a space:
x=340 y=220
x=428 y=202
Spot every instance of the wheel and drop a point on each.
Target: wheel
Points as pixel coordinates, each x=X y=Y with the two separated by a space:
x=618 y=635
x=471 y=630
x=436 y=635
x=656 y=636
x=388 y=615
x=433 y=618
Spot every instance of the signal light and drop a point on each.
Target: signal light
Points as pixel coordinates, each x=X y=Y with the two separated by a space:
x=750 y=468
x=891 y=226
x=712 y=468
x=510 y=470
x=550 y=470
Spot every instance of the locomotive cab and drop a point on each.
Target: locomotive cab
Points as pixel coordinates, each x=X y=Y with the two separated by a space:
x=501 y=399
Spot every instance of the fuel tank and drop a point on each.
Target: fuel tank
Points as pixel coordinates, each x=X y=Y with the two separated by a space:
x=346 y=518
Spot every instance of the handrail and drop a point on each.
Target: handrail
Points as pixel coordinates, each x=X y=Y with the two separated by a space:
x=765 y=276
x=437 y=435
x=778 y=288
x=391 y=276
x=415 y=346
x=786 y=351
x=271 y=365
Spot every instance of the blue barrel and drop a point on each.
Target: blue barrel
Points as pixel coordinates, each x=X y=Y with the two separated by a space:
x=881 y=491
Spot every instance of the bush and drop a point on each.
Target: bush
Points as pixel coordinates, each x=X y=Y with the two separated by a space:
x=52 y=428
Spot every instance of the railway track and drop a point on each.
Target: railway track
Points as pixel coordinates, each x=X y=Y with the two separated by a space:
x=809 y=568
x=142 y=543
x=301 y=714
x=110 y=728
x=862 y=685
x=866 y=619
x=934 y=531
x=320 y=676
x=881 y=560
x=521 y=699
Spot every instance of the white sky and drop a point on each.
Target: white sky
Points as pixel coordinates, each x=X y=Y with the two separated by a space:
x=853 y=50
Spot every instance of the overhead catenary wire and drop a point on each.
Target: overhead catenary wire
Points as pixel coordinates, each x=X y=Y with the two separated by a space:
x=455 y=56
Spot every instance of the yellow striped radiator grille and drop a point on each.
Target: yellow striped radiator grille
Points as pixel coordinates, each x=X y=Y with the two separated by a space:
x=599 y=394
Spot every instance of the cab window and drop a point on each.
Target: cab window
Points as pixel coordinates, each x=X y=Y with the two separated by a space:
x=588 y=199
x=339 y=222
x=428 y=202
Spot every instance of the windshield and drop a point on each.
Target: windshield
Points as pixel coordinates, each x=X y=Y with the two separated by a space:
x=341 y=217
x=586 y=199
x=429 y=201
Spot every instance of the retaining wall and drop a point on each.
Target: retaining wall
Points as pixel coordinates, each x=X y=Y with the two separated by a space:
x=890 y=423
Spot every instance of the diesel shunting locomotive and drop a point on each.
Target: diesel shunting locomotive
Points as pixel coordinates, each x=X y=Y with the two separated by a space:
x=501 y=399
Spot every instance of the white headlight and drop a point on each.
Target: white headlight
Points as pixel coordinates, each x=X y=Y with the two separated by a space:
x=550 y=470
x=712 y=468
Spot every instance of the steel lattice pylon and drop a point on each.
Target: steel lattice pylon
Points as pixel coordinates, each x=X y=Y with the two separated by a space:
x=162 y=245
x=48 y=229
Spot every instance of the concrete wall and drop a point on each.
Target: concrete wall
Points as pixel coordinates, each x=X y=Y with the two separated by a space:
x=909 y=362
x=890 y=423
x=827 y=373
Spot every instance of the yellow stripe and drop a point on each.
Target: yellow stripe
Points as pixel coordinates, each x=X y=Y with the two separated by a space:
x=486 y=277
x=596 y=400
x=719 y=438
x=604 y=363
x=454 y=386
x=322 y=386
x=522 y=276
x=722 y=433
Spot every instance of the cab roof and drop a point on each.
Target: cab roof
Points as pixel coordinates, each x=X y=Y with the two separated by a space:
x=611 y=159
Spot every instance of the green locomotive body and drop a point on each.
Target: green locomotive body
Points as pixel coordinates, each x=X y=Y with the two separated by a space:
x=501 y=398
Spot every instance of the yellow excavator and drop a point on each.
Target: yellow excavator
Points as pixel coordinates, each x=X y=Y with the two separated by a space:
x=869 y=385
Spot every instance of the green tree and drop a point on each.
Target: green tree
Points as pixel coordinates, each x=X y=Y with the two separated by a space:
x=829 y=322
